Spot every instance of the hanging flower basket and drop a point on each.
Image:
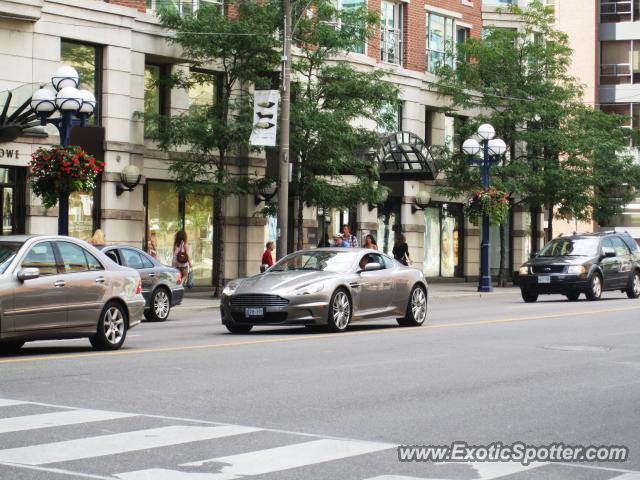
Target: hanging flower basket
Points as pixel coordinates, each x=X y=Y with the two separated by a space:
x=57 y=170
x=491 y=202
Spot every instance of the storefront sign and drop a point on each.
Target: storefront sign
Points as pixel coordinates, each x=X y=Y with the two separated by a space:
x=10 y=153
x=265 y=118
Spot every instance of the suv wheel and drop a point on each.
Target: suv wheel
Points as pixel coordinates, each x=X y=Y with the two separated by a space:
x=594 y=292
x=633 y=287
x=529 y=296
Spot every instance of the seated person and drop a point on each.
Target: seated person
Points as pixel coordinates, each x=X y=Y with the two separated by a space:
x=363 y=261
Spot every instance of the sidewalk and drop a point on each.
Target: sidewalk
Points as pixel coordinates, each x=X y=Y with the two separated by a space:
x=202 y=300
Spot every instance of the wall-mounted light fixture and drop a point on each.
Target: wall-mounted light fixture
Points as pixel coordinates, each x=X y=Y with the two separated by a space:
x=421 y=201
x=266 y=193
x=129 y=179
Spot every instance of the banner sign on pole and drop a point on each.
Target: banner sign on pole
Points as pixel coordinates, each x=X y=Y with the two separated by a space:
x=265 y=118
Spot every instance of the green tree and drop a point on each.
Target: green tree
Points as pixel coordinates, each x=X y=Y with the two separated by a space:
x=563 y=155
x=334 y=107
x=240 y=47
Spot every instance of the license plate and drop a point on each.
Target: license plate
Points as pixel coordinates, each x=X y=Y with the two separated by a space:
x=254 y=312
x=544 y=279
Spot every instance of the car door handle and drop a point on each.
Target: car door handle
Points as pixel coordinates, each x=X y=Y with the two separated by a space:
x=100 y=280
x=59 y=283
x=152 y=274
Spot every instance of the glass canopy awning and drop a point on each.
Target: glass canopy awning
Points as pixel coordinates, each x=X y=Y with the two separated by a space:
x=405 y=155
x=16 y=114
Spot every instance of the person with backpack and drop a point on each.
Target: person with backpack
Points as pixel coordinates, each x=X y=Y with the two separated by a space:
x=181 y=259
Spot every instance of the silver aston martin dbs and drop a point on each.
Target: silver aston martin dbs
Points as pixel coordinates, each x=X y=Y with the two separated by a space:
x=326 y=286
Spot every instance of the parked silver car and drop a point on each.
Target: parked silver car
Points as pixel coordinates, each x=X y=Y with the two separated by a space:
x=54 y=287
x=161 y=285
x=326 y=286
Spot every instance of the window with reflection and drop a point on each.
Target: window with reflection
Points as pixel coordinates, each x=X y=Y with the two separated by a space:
x=86 y=59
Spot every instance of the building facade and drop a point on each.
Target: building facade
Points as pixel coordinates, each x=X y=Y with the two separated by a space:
x=119 y=49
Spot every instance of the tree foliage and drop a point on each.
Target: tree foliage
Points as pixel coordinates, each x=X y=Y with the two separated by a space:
x=336 y=109
x=241 y=48
x=563 y=154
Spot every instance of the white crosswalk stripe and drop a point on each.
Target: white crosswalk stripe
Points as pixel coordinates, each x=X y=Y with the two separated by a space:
x=117 y=443
x=271 y=460
x=57 y=419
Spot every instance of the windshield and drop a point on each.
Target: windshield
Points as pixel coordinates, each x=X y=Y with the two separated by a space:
x=8 y=251
x=570 y=247
x=319 y=261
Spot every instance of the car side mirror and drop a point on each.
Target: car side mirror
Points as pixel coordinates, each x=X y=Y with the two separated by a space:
x=609 y=253
x=533 y=255
x=372 y=266
x=28 y=274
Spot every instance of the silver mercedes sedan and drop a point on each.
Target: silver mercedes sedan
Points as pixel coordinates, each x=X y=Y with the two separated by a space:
x=326 y=286
x=58 y=287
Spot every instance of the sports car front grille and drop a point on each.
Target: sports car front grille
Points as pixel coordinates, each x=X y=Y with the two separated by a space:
x=548 y=269
x=257 y=300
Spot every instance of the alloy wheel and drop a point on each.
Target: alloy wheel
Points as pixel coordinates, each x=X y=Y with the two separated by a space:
x=636 y=284
x=419 y=305
x=161 y=304
x=341 y=310
x=596 y=286
x=113 y=325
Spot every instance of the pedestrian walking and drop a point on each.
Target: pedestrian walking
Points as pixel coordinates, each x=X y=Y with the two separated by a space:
x=338 y=241
x=348 y=237
x=152 y=244
x=181 y=259
x=370 y=242
x=98 y=239
x=267 y=257
x=401 y=250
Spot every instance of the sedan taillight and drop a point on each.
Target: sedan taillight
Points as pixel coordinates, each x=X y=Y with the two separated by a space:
x=139 y=287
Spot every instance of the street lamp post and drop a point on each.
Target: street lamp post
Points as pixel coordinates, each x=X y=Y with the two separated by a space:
x=74 y=107
x=492 y=148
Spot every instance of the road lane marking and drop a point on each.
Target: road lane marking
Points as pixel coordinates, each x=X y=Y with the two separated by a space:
x=10 y=403
x=261 y=462
x=103 y=445
x=57 y=471
x=208 y=346
x=57 y=419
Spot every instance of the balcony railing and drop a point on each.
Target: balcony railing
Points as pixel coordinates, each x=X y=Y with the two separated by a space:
x=391 y=46
x=615 y=73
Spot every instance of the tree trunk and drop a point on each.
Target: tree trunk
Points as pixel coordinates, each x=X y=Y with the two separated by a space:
x=535 y=228
x=300 y=219
x=550 y=224
x=218 y=232
x=502 y=280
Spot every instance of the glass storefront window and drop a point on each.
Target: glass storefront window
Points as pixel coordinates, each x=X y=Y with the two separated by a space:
x=442 y=241
x=12 y=200
x=168 y=212
x=81 y=215
x=198 y=220
x=163 y=217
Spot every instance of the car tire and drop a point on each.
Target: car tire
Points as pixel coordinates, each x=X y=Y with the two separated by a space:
x=416 y=308
x=573 y=296
x=340 y=310
x=11 y=346
x=594 y=291
x=237 y=328
x=529 y=296
x=159 y=305
x=633 y=288
x=112 y=328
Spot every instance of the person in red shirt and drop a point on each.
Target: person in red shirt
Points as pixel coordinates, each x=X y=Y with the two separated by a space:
x=267 y=258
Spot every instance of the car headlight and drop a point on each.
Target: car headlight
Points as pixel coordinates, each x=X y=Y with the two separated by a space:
x=577 y=270
x=231 y=288
x=309 y=289
x=524 y=270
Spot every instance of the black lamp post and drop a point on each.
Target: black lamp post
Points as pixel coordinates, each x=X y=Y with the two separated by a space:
x=74 y=107
x=492 y=149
